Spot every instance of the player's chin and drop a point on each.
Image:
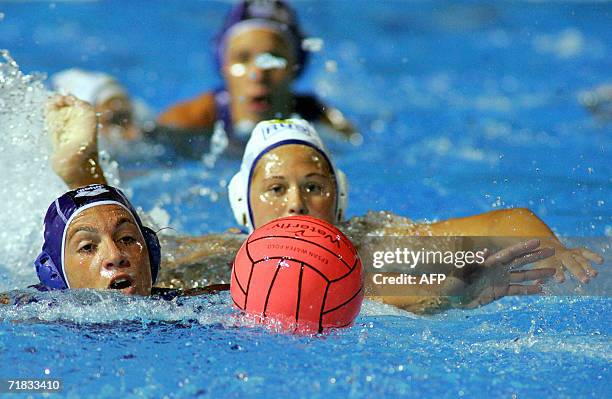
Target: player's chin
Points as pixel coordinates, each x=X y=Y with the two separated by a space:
x=325 y=216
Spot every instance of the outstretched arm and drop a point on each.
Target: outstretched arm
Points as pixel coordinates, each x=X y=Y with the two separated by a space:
x=72 y=127
x=501 y=225
x=476 y=284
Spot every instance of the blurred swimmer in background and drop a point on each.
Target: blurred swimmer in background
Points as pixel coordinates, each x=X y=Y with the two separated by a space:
x=259 y=52
x=118 y=115
x=286 y=170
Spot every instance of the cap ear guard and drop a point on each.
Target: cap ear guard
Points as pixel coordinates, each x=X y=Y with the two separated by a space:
x=154 y=249
x=48 y=274
x=237 y=193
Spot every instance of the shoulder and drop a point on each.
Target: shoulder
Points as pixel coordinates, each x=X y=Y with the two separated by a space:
x=198 y=112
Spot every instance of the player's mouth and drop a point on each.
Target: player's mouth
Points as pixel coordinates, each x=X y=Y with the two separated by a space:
x=123 y=283
x=260 y=103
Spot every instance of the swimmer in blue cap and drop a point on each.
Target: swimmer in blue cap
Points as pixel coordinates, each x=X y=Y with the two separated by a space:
x=259 y=52
x=93 y=238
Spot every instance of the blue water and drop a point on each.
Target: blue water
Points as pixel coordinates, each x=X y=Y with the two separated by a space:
x=464 y=107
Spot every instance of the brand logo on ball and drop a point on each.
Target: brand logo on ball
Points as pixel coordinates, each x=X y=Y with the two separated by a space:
x=308 y=231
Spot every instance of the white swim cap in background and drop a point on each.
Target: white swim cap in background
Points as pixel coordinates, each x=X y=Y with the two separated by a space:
x=266 y=136
x=93 y=87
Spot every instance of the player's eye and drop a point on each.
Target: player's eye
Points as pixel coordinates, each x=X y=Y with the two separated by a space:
x=86 y=248
x=276 y=189
x=241 y=56
x=127 y=240
x=313 y=188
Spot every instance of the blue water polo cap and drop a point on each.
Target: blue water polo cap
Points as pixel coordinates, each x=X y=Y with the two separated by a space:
x=274 y=14
x=50 y=263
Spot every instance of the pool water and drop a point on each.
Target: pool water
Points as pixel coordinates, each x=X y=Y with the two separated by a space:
x=464 y=107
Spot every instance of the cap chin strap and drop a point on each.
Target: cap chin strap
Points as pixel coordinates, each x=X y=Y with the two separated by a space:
x=238 y=196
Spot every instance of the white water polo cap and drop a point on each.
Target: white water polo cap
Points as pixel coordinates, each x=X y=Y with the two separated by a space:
x=93 y=87
x=266 y=136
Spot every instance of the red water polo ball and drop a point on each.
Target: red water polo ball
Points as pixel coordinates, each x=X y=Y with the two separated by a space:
x=300 y=271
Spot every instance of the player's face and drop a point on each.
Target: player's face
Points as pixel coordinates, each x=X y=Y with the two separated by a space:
x=258 y=69
x=292 y=180
x=105 y=250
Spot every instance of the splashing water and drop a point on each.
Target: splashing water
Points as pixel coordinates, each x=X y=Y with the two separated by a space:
x=218 y=144
x=28 y=182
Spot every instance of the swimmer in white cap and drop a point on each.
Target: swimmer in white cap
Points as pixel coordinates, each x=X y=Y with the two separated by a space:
x=109 y=98
x=286 y=170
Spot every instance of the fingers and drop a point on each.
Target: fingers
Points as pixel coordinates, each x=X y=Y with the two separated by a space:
x=590 y=255
x=577 y=268
x=59 y=101
x=584 y=257
x=578 y=262
x=506 y=255
x=553 y=263
x=531 y=257
x=585 y=264
x=529 y=275
x=579 y=265
x=559 y=274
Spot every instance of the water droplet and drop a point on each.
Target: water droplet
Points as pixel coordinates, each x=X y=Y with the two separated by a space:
x=269 y=61
x=331 y=66
x=237 y=70
x=312 y=44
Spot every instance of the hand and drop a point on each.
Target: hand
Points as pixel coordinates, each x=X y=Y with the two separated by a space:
x=496 y=277
x=72 y=127
x=576 y=260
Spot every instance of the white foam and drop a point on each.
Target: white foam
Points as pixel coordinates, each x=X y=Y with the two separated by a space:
x=96 y=306
x=28 y=182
